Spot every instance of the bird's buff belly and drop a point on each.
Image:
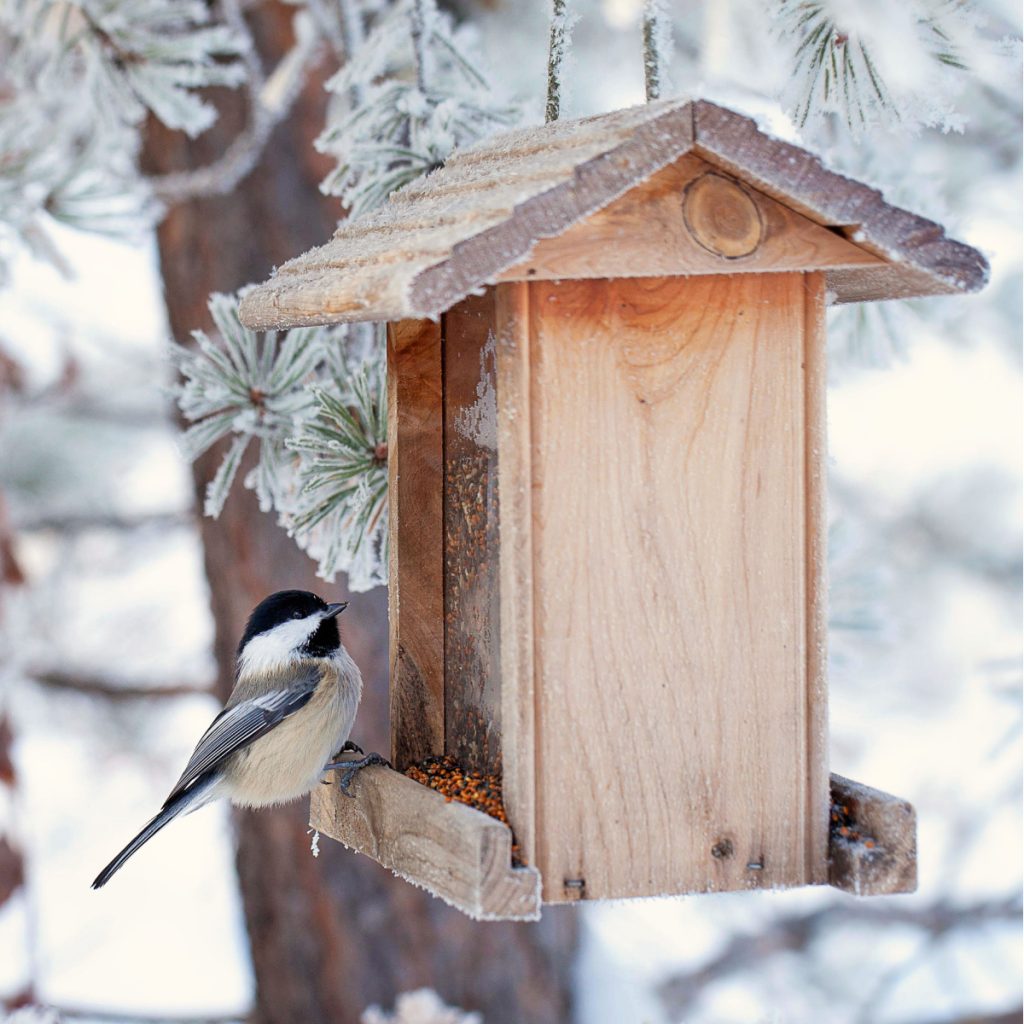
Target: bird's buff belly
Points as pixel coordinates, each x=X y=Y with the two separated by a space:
x=289 y=761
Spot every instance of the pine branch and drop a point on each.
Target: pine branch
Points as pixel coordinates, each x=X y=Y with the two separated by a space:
x=793 y=933
x=97 y=686
x=419 y=31
x=340 y=512
x=82 y=522
x=836 y=70
x=98 y=1015
x=353 y=35
x=269 y=101
x=250 y=387
x=388 y=130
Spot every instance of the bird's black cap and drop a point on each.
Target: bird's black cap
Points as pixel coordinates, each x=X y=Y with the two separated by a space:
x=294 y=604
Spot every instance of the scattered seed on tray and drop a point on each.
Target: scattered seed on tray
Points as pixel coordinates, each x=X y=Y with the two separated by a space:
x=476 y=789
x=841 y=824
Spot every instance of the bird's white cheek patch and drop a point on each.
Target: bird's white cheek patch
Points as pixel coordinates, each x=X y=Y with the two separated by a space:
x=278 y=646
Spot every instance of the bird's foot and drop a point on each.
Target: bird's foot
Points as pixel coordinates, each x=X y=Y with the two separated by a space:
x=348 y=747
x=349 y=769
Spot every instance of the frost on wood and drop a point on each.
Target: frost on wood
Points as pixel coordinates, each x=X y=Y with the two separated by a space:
x=314 y=400
x=423 y=1006
x=484 y=211
x=872 y=840
x=479 y=422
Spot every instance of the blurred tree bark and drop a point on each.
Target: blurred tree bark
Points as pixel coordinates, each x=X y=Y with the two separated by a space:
x=332 y=935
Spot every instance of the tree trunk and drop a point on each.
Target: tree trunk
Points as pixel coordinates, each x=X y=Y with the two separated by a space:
x=332 y=935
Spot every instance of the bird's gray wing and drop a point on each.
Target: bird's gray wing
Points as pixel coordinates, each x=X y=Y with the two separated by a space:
x=244 y=722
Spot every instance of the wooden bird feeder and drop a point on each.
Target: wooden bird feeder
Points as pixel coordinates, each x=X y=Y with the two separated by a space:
x=606 y=372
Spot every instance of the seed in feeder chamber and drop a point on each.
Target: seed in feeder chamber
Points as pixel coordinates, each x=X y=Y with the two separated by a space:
x=475 y=789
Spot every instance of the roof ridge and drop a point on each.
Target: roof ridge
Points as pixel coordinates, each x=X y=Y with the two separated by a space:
x=461 y=226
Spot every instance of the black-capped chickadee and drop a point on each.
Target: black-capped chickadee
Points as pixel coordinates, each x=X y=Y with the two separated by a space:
x=295 y=699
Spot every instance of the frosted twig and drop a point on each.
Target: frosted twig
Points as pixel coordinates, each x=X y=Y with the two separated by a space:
x=352 y=30
x=657 y=48
x=101 y=1016
x=795 y=932
x=332 y=28
x=269 y=101
x=76 y=523
x=418 y=31
x=558 y=45
x=94 y=686
x=353 y=34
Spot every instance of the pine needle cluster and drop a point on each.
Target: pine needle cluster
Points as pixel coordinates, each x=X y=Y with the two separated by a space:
x=316 y=409
x=403 y=102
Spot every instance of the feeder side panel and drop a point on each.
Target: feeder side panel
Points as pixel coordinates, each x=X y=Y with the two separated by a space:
x=472 y=666
x=415 y=598
x=670 y=585
x=816 y=478
x=516 y=563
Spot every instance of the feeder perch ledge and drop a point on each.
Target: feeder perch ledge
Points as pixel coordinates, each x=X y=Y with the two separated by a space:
x=458 y=853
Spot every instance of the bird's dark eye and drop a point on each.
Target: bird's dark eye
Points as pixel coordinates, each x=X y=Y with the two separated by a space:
x=296 y=615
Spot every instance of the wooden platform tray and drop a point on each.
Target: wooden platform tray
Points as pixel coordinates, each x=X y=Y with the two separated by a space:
x=457 y=853
x=878 y=855
x=465 y=857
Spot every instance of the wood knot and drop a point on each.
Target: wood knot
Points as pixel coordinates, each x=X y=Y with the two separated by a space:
x=721 y=217
x=722 y=850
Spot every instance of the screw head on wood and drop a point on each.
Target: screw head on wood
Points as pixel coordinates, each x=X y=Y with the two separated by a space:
x=722 y=217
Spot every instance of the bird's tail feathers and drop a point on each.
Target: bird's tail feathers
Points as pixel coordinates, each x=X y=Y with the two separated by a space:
x=192 y=799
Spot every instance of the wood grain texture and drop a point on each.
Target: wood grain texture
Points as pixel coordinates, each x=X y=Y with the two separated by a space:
x=472 y=666
x=457 y=853
x=670 y=585
x=816 y=481
x=516 y=563
x=645 y=234
x=881 y=859
x=415 y=593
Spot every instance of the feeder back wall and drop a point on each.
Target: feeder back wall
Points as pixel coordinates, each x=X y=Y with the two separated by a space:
x=608 y=572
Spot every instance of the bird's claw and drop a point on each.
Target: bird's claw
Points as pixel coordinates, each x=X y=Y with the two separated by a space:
x=349 y=769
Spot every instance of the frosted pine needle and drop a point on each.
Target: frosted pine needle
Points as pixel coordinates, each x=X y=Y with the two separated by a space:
x=874 y=62
x=388 y=126
x=250 y=386
x=341 y=507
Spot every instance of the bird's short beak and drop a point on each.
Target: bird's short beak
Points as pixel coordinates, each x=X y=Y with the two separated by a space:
x=335 y=609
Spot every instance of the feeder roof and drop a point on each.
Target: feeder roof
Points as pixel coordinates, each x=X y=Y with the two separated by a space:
x=446 y=235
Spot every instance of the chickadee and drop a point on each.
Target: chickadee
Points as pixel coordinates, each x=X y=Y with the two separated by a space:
x=293 y=705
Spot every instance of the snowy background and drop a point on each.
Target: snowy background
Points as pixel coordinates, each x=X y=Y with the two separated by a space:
x=925 y=437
